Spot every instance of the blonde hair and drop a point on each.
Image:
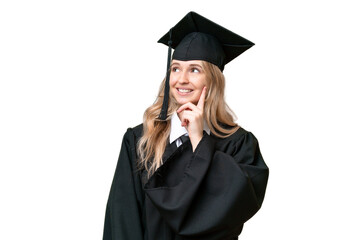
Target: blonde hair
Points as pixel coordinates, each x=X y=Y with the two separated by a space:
x=217 y=113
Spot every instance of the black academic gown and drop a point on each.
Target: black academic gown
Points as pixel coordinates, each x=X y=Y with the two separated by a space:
x=204 y=195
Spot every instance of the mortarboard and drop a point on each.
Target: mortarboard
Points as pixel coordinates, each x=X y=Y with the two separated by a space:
x=197 y=38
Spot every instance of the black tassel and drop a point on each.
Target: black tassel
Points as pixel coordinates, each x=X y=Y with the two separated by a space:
x=164 y=108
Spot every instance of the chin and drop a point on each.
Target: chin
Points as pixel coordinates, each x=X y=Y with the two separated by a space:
x=183 y=101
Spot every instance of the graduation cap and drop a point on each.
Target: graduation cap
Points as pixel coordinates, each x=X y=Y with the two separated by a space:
x=197 y=38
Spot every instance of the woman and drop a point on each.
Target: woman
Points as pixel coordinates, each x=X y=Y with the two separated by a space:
x=192 y=172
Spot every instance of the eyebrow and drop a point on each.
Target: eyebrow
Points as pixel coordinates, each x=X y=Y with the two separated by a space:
x=174 y=64
x=196 y=65
x=191 y=65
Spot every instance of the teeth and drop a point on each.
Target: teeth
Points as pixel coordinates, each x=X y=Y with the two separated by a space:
x=184 y=90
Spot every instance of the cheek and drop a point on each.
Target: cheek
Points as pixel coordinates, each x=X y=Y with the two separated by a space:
x=200 y=83
x=172 y=81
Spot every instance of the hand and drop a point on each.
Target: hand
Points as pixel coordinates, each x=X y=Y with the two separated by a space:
x=192 y=118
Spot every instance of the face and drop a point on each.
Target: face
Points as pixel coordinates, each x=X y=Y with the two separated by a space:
x=187 y=79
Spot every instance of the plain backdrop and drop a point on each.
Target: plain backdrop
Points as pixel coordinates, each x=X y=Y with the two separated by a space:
x=74 y=75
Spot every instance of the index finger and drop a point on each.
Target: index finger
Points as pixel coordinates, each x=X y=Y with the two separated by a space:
x=201 y=101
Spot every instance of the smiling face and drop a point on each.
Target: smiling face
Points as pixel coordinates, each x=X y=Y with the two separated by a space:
x=187 y=80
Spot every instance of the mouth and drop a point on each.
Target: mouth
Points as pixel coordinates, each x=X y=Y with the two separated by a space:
x=183 y=91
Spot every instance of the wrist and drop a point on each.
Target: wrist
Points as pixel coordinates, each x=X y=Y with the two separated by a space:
x=195 y=140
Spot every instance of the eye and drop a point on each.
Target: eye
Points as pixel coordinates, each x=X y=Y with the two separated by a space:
x=195 y=70
x=175 y=69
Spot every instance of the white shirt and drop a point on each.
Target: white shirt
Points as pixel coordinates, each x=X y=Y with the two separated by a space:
x=176 y=130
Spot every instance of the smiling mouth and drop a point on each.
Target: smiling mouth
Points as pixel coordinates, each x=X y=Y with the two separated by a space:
x=184 y=90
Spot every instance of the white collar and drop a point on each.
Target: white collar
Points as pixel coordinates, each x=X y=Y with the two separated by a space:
x=177 y=130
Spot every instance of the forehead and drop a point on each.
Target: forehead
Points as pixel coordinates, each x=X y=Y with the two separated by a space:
x=187 y=63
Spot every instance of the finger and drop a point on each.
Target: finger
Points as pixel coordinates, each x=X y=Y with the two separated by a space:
x=187 y=117
x=201 y=101
x=188 y=105
x=184 y=123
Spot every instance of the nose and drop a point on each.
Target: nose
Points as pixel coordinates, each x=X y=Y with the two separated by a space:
x=183 y=78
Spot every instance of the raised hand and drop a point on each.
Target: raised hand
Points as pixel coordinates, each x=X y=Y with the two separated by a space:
x=192 y=118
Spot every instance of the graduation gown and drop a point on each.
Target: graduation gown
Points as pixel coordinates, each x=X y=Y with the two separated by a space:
x=206 y=194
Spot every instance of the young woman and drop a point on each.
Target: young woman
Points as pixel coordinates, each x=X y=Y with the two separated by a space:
x=189 y=171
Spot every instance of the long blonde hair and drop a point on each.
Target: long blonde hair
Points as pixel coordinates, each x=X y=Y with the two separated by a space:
x=217 y=114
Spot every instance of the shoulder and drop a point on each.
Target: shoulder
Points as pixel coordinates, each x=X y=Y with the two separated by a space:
x=137 y=130
x=240 y=134
x=134 y=133
x=239 y=139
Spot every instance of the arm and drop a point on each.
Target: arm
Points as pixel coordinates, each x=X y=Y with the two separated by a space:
x=123 y=213
x=219 y=191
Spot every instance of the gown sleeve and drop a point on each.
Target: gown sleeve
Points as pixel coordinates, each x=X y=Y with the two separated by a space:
x=123 y=209
x=218 y=192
